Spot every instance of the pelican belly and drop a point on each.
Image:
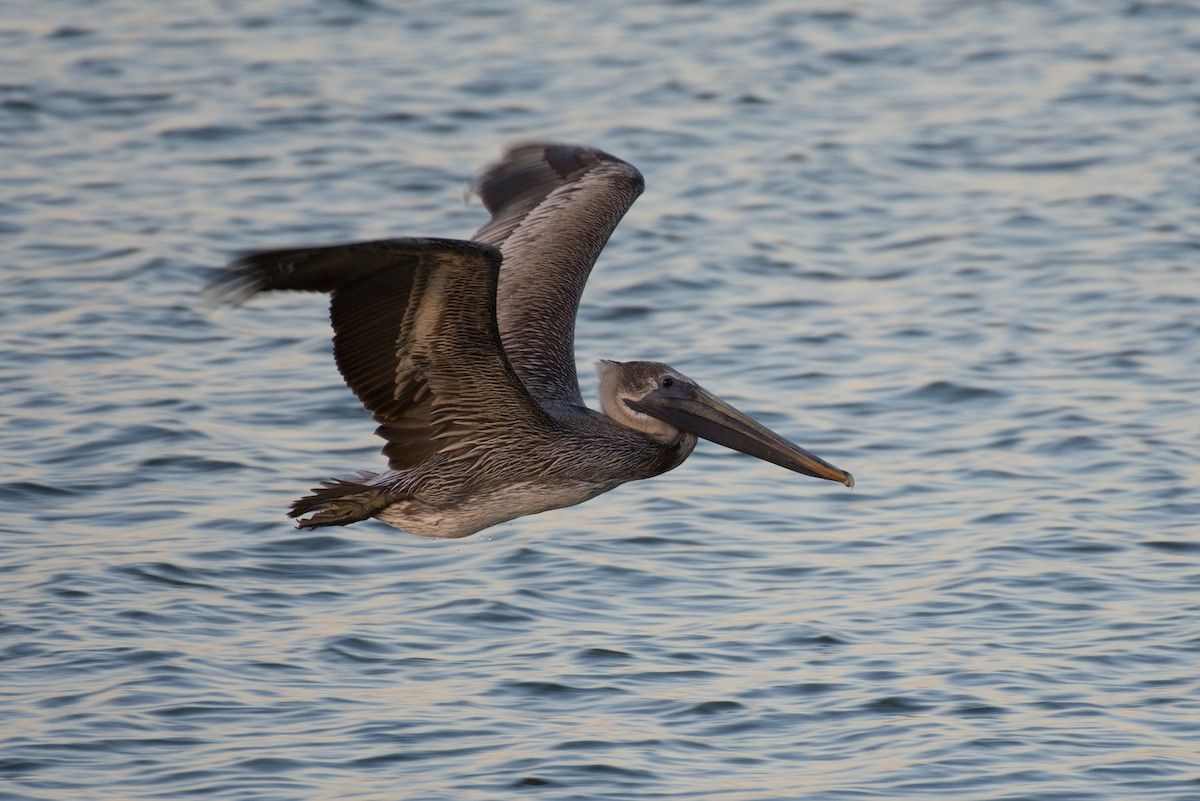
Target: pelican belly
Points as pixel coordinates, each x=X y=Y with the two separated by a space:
x=484 y=508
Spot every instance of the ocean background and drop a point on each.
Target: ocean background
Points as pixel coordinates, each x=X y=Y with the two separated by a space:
x=949 y=246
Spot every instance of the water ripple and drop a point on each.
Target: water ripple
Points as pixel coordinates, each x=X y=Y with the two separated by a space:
x=949 y=246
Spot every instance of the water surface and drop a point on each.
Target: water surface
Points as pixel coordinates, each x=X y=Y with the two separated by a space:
x=949 y=246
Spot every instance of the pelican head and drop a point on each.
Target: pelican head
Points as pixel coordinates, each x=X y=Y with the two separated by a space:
x=663 y=403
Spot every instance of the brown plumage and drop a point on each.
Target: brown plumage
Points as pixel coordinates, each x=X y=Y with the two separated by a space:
x=464 y=354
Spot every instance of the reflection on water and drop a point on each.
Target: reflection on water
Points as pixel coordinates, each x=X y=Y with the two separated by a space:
x=948 y=246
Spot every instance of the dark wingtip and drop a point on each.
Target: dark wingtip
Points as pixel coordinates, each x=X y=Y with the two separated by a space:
x=232 y=285
x=327 y=268
x=546 y=164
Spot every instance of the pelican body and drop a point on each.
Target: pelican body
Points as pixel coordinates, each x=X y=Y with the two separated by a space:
x=463 y=351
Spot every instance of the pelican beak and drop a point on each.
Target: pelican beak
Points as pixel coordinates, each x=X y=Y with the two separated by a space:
x=705 y=415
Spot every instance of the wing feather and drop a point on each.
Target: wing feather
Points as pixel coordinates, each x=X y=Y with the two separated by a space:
x=553 y=208
x=415 y=335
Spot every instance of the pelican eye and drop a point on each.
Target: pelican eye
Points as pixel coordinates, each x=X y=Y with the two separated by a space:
x=667 y=382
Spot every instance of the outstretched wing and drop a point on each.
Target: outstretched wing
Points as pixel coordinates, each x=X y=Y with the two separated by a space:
x=415 y=335
x=553 y=208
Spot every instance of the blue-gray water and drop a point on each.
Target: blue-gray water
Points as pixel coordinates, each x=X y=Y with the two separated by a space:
x=950 y=246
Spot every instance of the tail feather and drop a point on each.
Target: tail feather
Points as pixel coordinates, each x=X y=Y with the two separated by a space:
x=340 y=502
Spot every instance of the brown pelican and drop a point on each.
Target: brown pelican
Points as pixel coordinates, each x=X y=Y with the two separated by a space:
x=464 y=354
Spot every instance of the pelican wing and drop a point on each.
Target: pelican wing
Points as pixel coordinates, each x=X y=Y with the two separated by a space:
x=415 y=335
x=553 y=208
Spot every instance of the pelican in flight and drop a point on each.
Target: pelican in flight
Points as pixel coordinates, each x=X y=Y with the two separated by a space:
x=464 y=354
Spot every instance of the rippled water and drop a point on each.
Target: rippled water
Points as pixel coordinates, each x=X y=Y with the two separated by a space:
x=949 y=246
